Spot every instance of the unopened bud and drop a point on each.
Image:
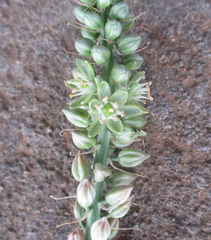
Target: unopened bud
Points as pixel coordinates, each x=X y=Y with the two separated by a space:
x=80 y=168
x=119 y=11
x=120 y=74
x=114 y=224
x=84 y=46
x=77 y=234
x=131 y=157
x=121 y=178
x=128 y=24
x=135 y=122
x=132 y=62
x=120 y=210
x=125 y=136
x=85 y=193
x=104 y=3
x=100 y=54
x=78 y=117
x=93 y=21
x=82 y=141
x=113 y=29
x=129 y=43
x=79 y=211
x=80 y=13
x=100 y=229
x=89 y=35
x=118 y=195
x=101 y=172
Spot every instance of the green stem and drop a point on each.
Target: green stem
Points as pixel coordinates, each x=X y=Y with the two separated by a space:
x=103 y=139
x=100 y=157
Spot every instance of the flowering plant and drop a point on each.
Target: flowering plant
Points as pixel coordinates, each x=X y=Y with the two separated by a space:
x=108 y=113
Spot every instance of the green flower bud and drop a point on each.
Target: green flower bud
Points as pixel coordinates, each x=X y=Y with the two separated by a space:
x=100 y=229
x=135 y=122
x=118 y=195
x=113 y=29
x=84 y=46
x=114 y=224
x=80 y=168
x=129 y=43
x=121 y=144
x=120 y=210
x=80 y=13
x=125 y=136
x=93 y=21
x=100 y=54
x=132 y=62
x=120 y=178
x=101 y=172
x=131 y=157
x=89 y=35
x=119 y=11
x=120 y=74
x=104 y=3
x=79 y=211
x=82 y=141
x=124 y=139
x=85 y=193
x=128 y=24
x=88 y=2
x=77 y=234
x=78 y=117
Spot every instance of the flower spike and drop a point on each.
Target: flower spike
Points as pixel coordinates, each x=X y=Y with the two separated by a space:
x=108 y=113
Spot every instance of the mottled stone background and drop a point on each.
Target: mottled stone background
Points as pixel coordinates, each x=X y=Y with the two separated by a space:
x=174 y=200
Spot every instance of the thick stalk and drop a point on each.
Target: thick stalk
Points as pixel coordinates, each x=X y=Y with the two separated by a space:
x=100 y=157
x=104 y=140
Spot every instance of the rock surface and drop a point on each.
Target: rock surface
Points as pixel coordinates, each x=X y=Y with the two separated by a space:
x=174 y=200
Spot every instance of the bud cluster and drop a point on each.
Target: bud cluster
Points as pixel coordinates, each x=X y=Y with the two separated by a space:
x=112 y=29
x=110 y=106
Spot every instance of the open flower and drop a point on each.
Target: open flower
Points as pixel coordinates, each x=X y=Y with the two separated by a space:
x=111 y=110
x=107 y=110
x=83 y=84
x=139 y=92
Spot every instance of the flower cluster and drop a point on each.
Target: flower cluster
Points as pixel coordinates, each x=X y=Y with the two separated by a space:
x=96 y=106
x=110 y=107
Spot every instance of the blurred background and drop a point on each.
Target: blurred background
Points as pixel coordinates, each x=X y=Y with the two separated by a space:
x=174 y=200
